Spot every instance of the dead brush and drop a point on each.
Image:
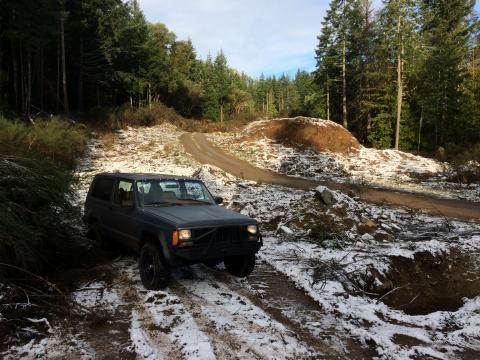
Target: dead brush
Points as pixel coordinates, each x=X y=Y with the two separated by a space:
x=108 y=140
x=350 y=273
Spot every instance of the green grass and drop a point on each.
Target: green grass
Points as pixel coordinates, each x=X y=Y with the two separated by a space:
x=58 y=140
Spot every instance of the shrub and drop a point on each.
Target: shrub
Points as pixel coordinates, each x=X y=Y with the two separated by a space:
x=35 y=194
x=35 y=179
x=58 y=140
x=119 y=118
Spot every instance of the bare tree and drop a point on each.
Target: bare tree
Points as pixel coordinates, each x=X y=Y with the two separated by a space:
x=63 y=16
x=344 y=70
x=400 y=51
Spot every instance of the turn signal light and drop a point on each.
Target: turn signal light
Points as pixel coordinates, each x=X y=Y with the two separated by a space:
x=175 y=238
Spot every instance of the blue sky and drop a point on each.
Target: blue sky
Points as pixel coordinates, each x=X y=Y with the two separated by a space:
x=257 y=36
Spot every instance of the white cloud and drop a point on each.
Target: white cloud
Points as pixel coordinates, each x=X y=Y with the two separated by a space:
x=256 y=35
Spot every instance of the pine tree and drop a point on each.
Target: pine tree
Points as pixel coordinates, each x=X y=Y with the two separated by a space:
x=338 y=57
x=447 y=27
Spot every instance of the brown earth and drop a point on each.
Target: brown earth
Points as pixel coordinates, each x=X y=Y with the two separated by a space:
x=320 y=135
x=431 y=282
x=205 y=152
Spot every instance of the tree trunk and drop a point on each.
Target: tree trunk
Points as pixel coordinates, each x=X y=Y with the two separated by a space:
x=399 y=76
x=22 y=79
x=344 y=65
x=1 y=71
x=58 y=73
x=15 y=76
x=42 y=76
x=328 y=99
x=344 y=83
x=64 y=70
x=80 y=78
x=420 y=131
x=149 y=96
x=28 y=102
x=221 y=113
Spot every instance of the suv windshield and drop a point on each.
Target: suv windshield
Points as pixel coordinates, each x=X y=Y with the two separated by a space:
x=172 y=192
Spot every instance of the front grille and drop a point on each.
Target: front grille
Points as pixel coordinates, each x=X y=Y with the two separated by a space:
x=220 y=235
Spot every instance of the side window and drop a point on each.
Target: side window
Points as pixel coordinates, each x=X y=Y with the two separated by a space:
x=171 y=186
x=103 y=188
x=124 y=193
x=195 y=191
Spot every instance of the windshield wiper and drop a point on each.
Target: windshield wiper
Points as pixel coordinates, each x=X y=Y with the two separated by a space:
x=161 y=203
x=197 y=201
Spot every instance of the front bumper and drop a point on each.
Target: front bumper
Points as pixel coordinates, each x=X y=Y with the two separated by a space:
x=216 y=243
x=218 y=251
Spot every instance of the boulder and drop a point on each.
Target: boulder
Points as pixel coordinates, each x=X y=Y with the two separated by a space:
x=325 y=194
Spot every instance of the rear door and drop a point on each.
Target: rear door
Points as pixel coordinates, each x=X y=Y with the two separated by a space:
x=99 y=202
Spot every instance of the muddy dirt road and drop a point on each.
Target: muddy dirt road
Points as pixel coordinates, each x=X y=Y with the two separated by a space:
x=204 y=314
x=205 y=152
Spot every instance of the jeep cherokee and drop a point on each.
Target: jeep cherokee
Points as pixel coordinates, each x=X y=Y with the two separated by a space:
x=171 y=221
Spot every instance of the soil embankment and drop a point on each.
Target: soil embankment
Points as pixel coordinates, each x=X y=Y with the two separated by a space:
x=319 y=135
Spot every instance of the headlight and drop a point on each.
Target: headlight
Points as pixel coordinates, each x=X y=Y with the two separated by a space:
x=252 y=229
x=184 y=234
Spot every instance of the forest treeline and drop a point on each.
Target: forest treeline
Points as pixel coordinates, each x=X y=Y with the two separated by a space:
x=64 y=56
x=415 y=63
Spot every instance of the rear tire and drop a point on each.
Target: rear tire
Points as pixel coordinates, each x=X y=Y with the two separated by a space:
x=94 y=234
x=154 y=274
x=212 y=263
x=240 y=266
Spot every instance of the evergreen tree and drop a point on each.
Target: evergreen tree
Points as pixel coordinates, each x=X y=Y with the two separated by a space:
x=447 y=27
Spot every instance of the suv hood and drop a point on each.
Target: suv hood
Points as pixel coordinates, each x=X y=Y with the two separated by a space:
x=199 y=215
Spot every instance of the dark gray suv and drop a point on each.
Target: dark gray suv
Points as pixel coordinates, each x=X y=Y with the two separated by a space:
x=171 y=221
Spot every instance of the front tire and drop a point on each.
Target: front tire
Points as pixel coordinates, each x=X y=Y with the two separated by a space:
x=240 y=266
x=154 y=274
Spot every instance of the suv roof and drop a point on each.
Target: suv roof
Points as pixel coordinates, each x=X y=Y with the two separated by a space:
x=143 y=176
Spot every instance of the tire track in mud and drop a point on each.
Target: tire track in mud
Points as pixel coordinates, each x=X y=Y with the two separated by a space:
x=237 y=327
x=278 y=297
x=204 y=151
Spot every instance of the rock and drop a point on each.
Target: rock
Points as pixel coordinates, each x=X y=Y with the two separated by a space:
x=369 y=223
x=383 y=236
x=285 y=229
x=367 y=238
x=326 y=195
x=386 y=227
x=366 y=226
x=395 y=226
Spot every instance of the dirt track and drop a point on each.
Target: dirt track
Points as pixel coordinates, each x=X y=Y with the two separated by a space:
x=205 y=152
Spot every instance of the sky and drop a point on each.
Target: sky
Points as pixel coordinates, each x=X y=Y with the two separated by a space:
x=257 y=36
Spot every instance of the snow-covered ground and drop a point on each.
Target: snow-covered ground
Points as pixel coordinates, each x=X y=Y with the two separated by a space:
x=207 y=314
x=383 y=168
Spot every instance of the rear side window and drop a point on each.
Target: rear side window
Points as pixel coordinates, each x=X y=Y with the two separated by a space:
x=103 y=188
x=124 y=192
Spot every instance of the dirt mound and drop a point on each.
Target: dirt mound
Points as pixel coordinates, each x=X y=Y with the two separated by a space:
x=317 y=134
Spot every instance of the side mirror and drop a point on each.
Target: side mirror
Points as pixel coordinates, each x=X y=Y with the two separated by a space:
x=218 y=200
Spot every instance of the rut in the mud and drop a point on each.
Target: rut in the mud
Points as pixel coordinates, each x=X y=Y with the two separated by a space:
x=279 y=297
